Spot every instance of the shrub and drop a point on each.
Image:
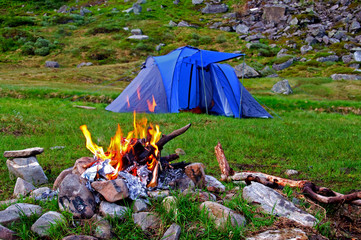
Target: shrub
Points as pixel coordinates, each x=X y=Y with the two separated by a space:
x=102 y=54
x=7 y=44
x=221 y=38
x=15 y=21
x=105 y=28
x=43 y=51
x=143 y=47
x=259 y=46
x=41 y=42
x=194 y=36
x=28 y=48
x=205 y=40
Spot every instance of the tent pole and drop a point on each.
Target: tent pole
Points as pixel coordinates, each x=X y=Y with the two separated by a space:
x=240 y=102
x=204 y=84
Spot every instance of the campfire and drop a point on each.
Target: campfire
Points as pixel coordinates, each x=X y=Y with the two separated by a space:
x=135 y=158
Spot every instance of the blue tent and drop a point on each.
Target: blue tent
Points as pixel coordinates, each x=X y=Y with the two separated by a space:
x=185 y=79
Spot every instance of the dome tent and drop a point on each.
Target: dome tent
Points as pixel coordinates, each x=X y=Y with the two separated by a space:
x=185 y=79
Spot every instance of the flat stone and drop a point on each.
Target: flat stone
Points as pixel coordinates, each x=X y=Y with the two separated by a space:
x=27 y=169
x=221 y=214
x=52 y=64
x=281 y=234
x=213 y=185
x=7 y=234
x=146 y=220
x=79 y=168
x=111 y=190
x=61 y=177
x=75 y=197
x=345 y=77
x=290 y=172
x=23 y=153
x=196 y=2
x=212 y=8
x=195 y=171
x=282 y=87
x=79 y=237
x=243 y=70
x=332 y=58
x=136 y=31
x=274 y=203
x=172 y=23
x=347 y=58
x=306 y=48
x=22 y=187
x=158 y=194
x=183 y=24
x=357 y=56
x=43 y=193
x=13 y=212
x=140 y=206
x=83 y=64
x=172 y=233
x=281 y=66
x=242 y=29
x=112 y=209
x=43 y=224
x=138 y=37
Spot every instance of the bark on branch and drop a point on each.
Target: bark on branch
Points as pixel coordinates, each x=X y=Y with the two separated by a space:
x=167 y=138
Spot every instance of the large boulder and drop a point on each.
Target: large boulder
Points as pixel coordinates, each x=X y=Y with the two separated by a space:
x=274 y=203
x=242 y=29
x=282 y=87
x=75 y=197
x=212 y=8
x=274 y=13
x=243 y=70
x=27 y=169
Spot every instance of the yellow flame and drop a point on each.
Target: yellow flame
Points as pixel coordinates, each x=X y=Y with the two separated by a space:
x=151 y=105
x=97 y=151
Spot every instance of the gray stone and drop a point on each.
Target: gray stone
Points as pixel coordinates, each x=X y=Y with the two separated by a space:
x=78 y=66
x=281 y=66
x=112 y=209
x=84 y=11
x=176 y=2
x=282 y=87
x=52 y=64
x=146 y=220
x=102 y=228
x=266 y=71
x=195 y=2
x=334 y=40
x=23 y=153
x=354 y=65
x=310 y=40
x=13 y=212
x=243 y=70
x=129 y=10
x=347 y=58
x=137 y=9
x=225 y=29
x=140 y=206
x=183 y=24
x=43 y=193
x=294 y=21
x=79 y=237
x=213 y=185
x=281 y=234
x=61 y=177
x=273 y=13
x=274 y=203
x=138 y=37
x=211 y=8
x=159 y=47
x=357 y=56
x=290 y=172
x=180 y=151
x=172 y=24
x=221 y=214
x=182 y=184
x=325 y=39
x=332 y=58
x=172 y=233
x=7 y=234
x=22 y=187
x=136 y=31
x=339 y=35
x=27 y=169
x=306 y=48
x=63 y=9
x=43 y=224
x=255 y=37
x=282 y=53
x=75 y=197
x=355 y=26
x=158 y=194
x=345 y=77
x=242 y=29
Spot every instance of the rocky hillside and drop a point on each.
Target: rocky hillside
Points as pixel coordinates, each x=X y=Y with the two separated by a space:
x=292 y=38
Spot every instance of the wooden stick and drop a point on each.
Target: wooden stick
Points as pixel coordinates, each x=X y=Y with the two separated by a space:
x=167 y=138
x=226 y=171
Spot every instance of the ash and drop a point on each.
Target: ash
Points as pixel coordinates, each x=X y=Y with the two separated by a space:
x=170 y=175
x=136 y=188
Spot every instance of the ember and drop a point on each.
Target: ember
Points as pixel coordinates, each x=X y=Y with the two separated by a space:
x=135 y=158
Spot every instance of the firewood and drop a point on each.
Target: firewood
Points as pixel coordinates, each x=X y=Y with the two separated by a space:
x=166 y=138
x=223 y=163
x=169 y=158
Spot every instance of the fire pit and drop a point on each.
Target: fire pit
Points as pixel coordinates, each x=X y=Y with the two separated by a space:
x=131 y=167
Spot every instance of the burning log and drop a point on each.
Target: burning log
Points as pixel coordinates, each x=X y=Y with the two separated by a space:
x=320 y=194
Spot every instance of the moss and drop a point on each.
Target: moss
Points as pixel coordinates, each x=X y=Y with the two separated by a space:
x=339 y=49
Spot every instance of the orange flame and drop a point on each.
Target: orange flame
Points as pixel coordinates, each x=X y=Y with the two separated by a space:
x=120 y=145
x=138 y=92
x=128 y=102
x=151 y=106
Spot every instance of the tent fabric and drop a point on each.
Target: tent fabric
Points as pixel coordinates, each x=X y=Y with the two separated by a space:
x=189 y=78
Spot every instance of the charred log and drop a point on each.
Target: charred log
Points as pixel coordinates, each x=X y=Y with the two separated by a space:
x=169 y=158
x=167 y=138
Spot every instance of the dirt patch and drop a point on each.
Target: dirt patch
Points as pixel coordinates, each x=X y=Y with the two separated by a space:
x=8 y=130
x=342 y=110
